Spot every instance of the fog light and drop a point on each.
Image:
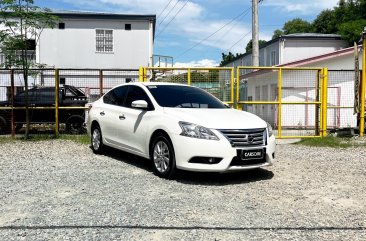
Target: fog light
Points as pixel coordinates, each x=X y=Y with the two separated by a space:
x=205 y=160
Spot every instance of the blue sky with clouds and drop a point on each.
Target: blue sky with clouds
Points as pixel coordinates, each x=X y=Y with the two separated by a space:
x=196 y=32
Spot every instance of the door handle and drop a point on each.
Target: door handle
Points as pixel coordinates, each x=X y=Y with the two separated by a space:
x=122 y=117
x=102 y=113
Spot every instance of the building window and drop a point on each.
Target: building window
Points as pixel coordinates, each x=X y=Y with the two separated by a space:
x=61 y=25
x=273 y=58
x=127 y=26
x=104 y=40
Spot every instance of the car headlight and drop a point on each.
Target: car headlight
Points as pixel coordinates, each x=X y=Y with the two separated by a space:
x=269 y=129
x=196 y=131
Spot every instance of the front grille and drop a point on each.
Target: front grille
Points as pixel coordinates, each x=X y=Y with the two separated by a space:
x=238 y=162
x=246 y=137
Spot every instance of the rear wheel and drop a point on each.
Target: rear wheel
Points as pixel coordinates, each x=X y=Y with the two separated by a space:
x=96 y=140
x=75 y=125
x=163 y=157
x=4 y=127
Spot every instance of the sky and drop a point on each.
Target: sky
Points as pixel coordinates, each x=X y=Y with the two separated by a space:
x=196 y=32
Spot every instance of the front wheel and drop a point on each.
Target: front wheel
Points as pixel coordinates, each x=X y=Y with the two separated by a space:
x=96 y=140
x=162 y=156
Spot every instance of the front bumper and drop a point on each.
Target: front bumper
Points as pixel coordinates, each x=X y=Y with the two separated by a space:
x=186 y=148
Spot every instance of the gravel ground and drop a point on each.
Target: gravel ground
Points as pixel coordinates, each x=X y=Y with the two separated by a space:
x=59 y=190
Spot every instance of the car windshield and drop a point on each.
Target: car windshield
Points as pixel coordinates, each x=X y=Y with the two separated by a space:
x=184 y=97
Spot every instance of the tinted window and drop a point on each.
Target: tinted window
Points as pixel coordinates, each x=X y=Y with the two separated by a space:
x=116 y=96
x=184 y=97
x=136 y=93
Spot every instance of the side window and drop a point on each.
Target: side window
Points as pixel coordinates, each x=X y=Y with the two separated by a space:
x=136 y=93
x=116 y=96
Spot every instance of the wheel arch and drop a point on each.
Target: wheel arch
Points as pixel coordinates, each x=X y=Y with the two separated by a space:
x=156 y=133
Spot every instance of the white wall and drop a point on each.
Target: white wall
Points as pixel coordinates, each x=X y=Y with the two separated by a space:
x=297 y=49
x=75 y=46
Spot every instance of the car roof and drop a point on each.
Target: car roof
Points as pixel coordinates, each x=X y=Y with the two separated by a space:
x=161 y=83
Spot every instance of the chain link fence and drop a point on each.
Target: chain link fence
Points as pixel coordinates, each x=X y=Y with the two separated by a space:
x=75 y=87
x=217 y=81
x=287 y=98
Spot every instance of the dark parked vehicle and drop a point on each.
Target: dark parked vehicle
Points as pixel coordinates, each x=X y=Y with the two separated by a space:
x=69 y=96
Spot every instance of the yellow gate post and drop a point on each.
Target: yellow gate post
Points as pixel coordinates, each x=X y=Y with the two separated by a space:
x=237 y=88
x=363 y=82
x=324 y=102
x=279 y=114
x=141 y=74
x=56 y=102
x=189 y=76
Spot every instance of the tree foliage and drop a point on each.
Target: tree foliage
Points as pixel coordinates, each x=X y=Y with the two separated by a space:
x=227 y=58
x=22 y=21
x=347 y=19
x=296 y=25
x=249 y=46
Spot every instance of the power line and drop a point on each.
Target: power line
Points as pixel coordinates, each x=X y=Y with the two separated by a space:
x=200 y=42
x=172 y=18
x=237 y=42
x=231 y=28
x=169 y=12
x=164 y=9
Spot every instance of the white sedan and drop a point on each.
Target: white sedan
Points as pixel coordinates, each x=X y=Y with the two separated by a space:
x=179 y=127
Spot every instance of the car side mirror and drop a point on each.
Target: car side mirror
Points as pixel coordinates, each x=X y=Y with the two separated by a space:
x=139 y=104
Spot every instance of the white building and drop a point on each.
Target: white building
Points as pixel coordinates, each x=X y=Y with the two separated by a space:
x=298 y=86
x=292 y=47
x=89 y=40
x=98 y=40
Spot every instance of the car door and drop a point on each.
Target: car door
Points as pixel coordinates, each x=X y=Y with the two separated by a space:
x=135 y=121
x=109 y=116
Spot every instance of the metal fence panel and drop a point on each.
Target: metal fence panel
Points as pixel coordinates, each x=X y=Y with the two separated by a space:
x=217 y=81
x=44 y=110
x=287 y=98
x=341 y=99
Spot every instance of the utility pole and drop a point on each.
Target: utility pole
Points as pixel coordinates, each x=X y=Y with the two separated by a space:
x=255 y=35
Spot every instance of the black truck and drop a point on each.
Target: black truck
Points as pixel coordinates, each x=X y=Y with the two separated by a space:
x=69 y=96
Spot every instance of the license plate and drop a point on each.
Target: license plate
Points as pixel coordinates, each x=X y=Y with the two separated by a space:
x=252 y=154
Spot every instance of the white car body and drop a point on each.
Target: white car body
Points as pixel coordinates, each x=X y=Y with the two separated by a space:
x=131 y=130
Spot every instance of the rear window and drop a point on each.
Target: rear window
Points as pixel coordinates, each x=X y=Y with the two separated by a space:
x=184 y=97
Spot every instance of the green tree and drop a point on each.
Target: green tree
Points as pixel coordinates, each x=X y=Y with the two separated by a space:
x=227 y=58
x=325 y=22
x=296 y=25
x=351 y=30
x=277 y=33
x=249 y=46
x=22 y=21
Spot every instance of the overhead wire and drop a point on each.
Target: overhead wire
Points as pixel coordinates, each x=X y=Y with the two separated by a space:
x=212 y=34
x=169 y=12
x=237 y=42
x=166 y=25
x=166 y=6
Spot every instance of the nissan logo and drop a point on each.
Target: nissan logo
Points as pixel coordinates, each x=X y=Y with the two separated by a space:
x=250 y=138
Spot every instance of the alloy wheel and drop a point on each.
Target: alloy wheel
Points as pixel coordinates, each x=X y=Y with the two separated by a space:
x=96 y=139
x=161 y=156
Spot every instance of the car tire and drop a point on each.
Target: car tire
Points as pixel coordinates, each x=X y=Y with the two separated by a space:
x=163 y=157
x=4 y=127
x=96 y=139
x=75 y=125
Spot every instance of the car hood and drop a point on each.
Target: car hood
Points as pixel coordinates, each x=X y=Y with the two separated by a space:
x=217 y=118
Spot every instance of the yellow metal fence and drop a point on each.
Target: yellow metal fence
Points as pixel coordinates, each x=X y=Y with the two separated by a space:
x=290 y=99
x=217 y=81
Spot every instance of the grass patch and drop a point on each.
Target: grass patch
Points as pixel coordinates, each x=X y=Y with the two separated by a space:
x=81 y=139
x=331 y=141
